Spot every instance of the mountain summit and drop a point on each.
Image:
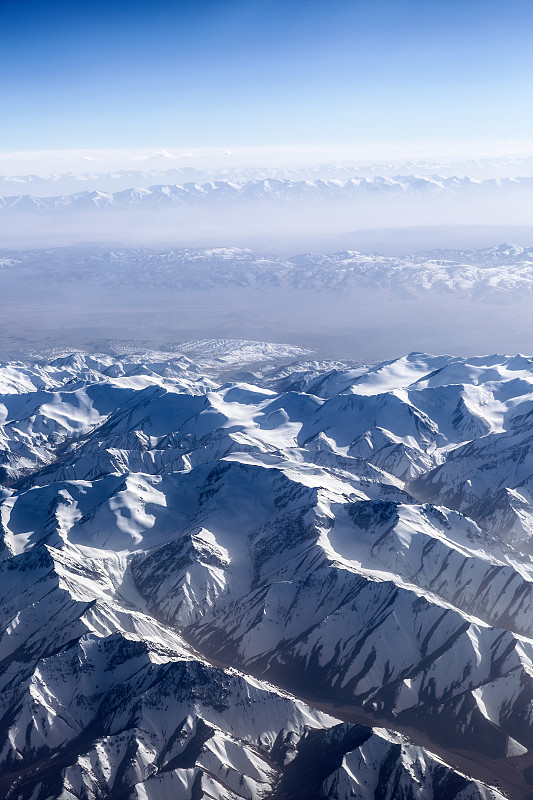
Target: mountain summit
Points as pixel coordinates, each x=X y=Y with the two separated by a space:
x=230 y=578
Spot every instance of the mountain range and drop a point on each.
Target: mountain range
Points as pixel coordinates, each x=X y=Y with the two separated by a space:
x=152 y=172
x=270 y=190
x=231 y=573
x=499 y=271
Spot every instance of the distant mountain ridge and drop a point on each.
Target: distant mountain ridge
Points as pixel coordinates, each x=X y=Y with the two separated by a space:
x=267 y=190
x=503 y=270
x=154 y=173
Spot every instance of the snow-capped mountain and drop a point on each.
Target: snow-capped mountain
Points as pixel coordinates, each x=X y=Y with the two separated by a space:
x=229 y=577
x=503 y=270
x=120 y=179
x=269 y=190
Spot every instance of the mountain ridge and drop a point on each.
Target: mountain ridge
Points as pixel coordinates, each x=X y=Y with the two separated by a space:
x=498 y=271
x=186 y=545
x=266 y=190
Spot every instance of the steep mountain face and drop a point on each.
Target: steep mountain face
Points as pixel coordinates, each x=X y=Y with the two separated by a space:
x=315 y=582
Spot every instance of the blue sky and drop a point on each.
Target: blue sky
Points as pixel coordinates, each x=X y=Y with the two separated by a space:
x=242 y=73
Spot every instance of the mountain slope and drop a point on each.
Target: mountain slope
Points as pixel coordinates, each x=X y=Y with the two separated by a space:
x=179 y=553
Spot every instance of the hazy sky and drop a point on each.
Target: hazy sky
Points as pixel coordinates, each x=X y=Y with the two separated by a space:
x=248 y=73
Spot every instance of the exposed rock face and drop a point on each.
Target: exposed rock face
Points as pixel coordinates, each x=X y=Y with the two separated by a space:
x=179 y=555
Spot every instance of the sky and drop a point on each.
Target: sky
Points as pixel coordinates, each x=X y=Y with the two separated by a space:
x=244 y=74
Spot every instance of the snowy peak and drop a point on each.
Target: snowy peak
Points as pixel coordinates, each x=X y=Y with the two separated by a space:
x=186 y=553
x=268 y=191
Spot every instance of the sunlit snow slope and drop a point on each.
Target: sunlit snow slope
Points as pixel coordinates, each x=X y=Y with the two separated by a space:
x=311 y=583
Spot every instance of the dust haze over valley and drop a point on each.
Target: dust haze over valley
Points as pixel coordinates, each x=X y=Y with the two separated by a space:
x=348 y=262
